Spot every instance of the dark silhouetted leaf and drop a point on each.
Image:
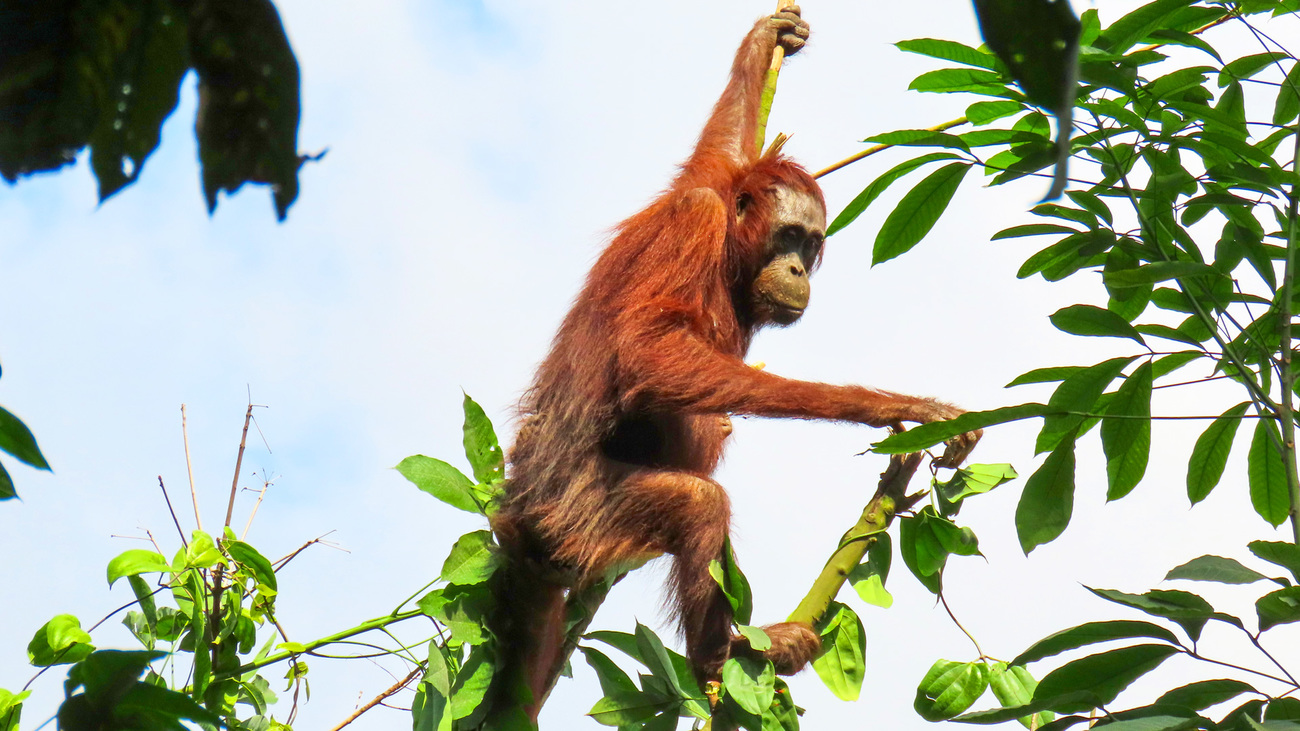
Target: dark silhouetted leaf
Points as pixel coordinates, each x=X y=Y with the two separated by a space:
x=949 y=688
x=248 y=99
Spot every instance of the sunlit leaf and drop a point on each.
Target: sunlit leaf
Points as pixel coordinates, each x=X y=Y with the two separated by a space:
x=949 y=688
x=60 y=641
x=841 y=664
x=440 y=480
x=136 y=561
x=481 y=447
x=749 y=682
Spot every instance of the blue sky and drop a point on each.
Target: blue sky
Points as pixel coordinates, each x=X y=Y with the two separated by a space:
x=478 y=153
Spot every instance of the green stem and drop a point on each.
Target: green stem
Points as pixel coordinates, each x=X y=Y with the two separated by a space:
x=377 y=623
x=1287 y=377
x=875 y=519
x=765 y=103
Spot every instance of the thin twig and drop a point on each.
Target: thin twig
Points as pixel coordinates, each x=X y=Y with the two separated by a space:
x=179 y=530
x=944 y=601
x=189 y=467
x=239 y=464
x=396 y=688
x=260 y=495
x=280 y=563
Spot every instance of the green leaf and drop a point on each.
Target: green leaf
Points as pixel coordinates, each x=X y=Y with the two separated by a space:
x=928 y=435
x=975 y=479
x=481 y=448
x=1215 y=568
x=1091 y=633
x=7 y=492
x=1033 y=229
x=1286 y=555
x=981 y=113
x=1210 y=455
x=1102 y=676
x=950 y=80
x=868 y=578
x=1048 y=499
x=136 y=561
x=1078 y=393
x=879 y=185
x=655 y=657
x=256 y=563
x=916 y=545
x=949 y=688
x=1247 y=66
x=750 y=682
x=626 y=708
x=950 y=51
x=11 y=709
x=758 y=638
x=1014 y=686
x=1184 y=608
x=1127 y=441
x=1093 y=321
x=440 y=480
x=202 y=553
x=1287 y=105
x=612 y=678
x=472 y=682
x=1045 y=375
x=733 y=583
x=919 y=138
x=1201 y=695
x=17 y=439
x=472 y=560
x=1138 y=24
x=464 y=609
x=841 y=663
x=60 y=641
x=1279 y=607
x=1267 y=474
x=1159 y=271
x=917 y=212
